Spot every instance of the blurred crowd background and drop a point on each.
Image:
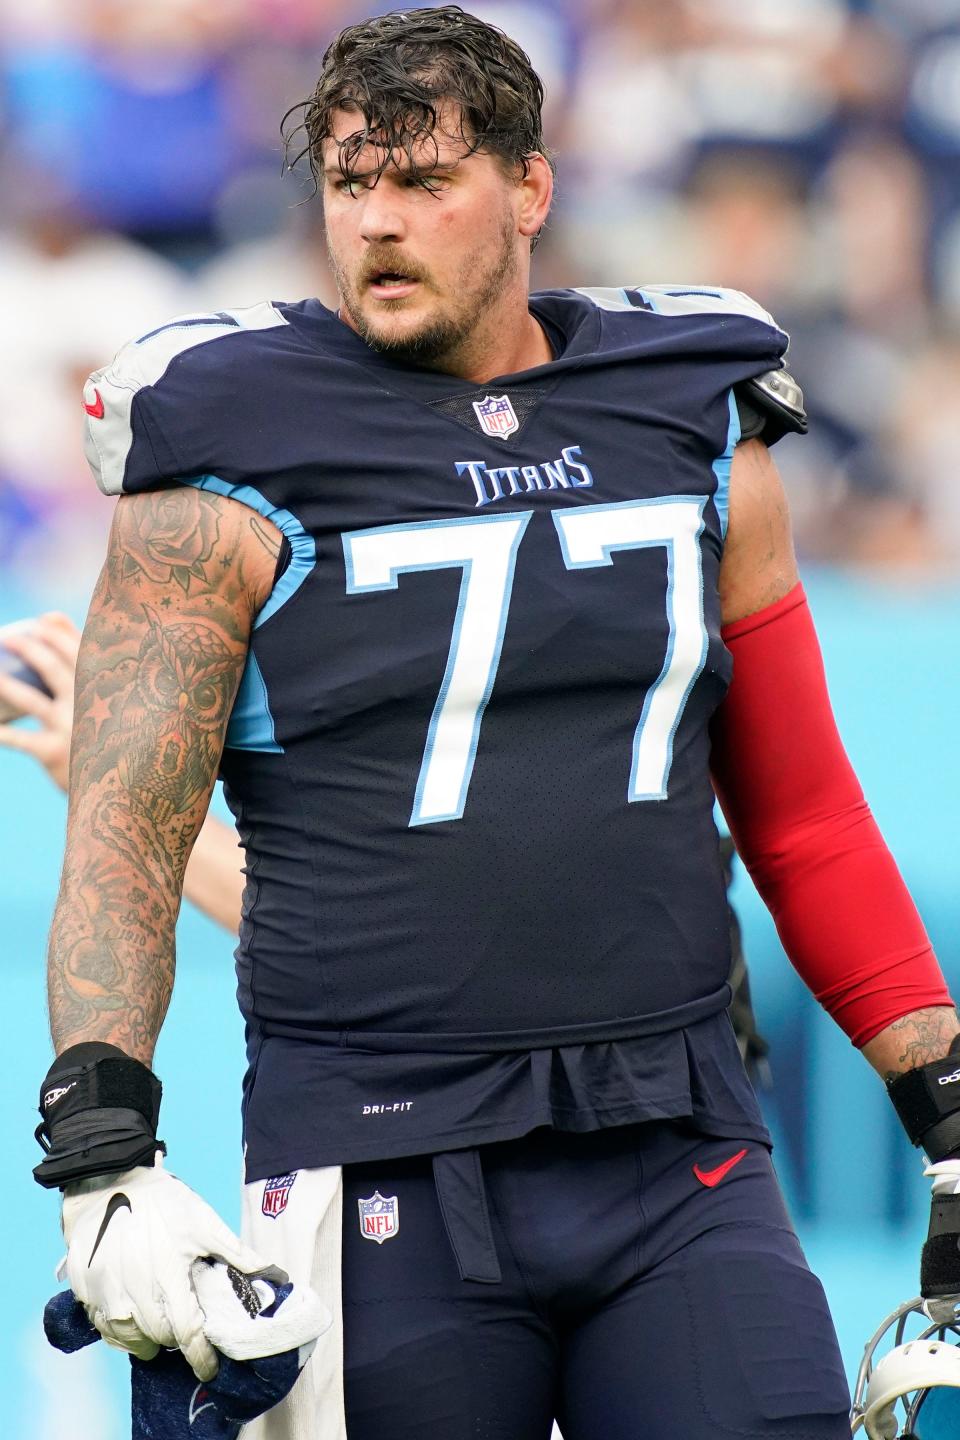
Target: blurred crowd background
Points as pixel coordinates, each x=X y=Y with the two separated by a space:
x=806 y=151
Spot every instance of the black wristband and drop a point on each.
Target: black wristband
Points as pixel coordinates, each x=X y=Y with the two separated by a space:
x=927 y=1101
x=940 y=1259
x=99 y=1111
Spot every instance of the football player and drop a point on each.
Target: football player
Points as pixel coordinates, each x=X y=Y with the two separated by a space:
x=476 y=598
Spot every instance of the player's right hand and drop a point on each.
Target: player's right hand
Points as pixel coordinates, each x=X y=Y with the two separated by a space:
x=132 y=1240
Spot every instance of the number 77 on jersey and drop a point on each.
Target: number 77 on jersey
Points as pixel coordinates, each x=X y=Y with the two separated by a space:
x=486 y=549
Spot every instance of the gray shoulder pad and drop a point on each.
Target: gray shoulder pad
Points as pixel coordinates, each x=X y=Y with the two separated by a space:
x=779 y=399
x=678 y=300
x=109 y=393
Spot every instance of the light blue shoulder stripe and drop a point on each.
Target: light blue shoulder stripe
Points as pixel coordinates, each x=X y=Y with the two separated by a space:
x=303 y=547
x=722 y=464
x=251 y=722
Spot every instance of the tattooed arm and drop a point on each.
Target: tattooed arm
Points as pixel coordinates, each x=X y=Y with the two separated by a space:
x=214 y=877
x=160 y=660
x=914 y=1040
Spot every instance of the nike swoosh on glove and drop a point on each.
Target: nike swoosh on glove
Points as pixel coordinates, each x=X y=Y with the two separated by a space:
x=132 y=1241
x=253 y=1316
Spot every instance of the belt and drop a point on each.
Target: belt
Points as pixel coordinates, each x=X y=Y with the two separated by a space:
x=458 y=1176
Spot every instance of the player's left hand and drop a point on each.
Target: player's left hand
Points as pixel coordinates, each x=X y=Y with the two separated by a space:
x=940 y=1260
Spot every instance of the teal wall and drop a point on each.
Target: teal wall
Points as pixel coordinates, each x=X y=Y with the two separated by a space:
x=893 y=660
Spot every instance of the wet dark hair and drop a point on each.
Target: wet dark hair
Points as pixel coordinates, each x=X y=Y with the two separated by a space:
x=397 y=70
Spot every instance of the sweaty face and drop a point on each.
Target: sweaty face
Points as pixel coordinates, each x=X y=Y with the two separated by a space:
x=421 y=272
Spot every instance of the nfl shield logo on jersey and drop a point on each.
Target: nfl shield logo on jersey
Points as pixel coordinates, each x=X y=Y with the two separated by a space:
x=379 y=1217
x=276 y=1193
x=496 y=415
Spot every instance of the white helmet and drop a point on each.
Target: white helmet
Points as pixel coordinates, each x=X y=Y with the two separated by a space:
x=920 y=1374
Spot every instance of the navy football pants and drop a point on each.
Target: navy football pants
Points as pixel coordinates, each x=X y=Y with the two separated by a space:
x=635 y=1301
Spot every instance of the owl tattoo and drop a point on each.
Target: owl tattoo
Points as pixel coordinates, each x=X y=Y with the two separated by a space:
x=170 y=727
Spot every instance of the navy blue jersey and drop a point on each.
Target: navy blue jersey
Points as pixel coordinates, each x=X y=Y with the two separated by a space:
x=469 y=756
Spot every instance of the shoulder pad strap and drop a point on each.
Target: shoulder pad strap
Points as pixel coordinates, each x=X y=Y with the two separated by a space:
x=779 y=399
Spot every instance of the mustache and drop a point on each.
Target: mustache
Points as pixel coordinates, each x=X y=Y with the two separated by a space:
x=393 y=262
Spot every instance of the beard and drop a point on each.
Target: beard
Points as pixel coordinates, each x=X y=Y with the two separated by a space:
x=441 y=336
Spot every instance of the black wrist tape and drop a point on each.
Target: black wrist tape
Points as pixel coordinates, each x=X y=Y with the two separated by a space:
x=927 y=1101
x=100 y=1110
x=940 y=1259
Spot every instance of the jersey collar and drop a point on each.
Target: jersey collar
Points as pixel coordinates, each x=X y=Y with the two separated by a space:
x=566 y=316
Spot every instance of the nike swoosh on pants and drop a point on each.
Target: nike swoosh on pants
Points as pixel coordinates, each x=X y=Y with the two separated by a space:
x=713 y=1177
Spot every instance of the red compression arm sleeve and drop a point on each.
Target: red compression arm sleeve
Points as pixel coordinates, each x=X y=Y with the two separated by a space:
x=806 y=835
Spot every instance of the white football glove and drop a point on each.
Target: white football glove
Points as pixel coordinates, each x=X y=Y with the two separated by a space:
x=131 y=1245
x=946 y=1177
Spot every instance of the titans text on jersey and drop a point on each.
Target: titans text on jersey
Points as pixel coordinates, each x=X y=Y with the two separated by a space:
x=565 y=473
x=469 y=755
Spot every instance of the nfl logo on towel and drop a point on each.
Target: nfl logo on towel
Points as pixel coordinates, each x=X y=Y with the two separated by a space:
x=379 y=1217
x=276 y=1193
x=496 y=415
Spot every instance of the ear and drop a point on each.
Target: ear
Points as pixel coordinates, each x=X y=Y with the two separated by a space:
x=536 y=193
